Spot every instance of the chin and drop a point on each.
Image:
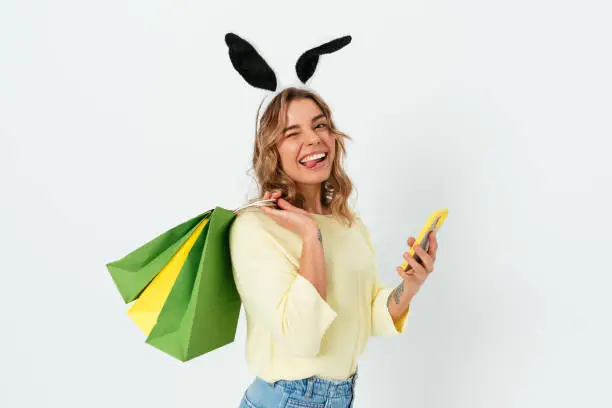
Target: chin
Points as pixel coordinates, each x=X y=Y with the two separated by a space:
x=311 y=176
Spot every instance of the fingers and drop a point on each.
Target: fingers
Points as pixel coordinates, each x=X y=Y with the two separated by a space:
x=272 y=194
x=416 y=272
x=411 y=241
x=416 y=265
x=426 y=259
x=402 y=273
x=268 y=195
x=284 y=204
x=420 y=269
x=274 y=213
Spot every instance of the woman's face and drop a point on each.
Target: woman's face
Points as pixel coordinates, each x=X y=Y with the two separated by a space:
x=307 y=133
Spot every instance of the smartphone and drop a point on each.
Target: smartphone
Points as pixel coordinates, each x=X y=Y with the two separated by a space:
x=433 y=223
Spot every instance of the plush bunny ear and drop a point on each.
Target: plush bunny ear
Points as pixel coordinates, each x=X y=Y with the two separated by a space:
x=307 y=63
x=249 y=64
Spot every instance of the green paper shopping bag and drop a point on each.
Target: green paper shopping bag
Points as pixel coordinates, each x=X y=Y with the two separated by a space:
x=134 y=272
x=189 y=304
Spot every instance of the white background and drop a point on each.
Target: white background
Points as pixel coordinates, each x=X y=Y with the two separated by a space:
x=120 y=119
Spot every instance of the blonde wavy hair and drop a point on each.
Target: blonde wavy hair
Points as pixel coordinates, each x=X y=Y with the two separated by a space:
x=266 y=164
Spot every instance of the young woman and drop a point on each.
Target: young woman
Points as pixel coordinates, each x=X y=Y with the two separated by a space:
x=306 y=271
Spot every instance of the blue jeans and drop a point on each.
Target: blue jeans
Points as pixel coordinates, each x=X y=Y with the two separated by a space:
x=312 y=392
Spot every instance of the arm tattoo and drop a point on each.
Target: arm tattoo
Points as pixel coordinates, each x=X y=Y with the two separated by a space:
x=396 y=294
x=319 y=236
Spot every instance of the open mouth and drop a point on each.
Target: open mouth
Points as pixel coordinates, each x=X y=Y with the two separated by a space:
x=315 y=163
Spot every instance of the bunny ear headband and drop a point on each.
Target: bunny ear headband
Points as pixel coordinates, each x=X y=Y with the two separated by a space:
x=254 y=69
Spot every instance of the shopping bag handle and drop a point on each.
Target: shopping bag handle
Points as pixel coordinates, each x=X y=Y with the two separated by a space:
x=260 y=203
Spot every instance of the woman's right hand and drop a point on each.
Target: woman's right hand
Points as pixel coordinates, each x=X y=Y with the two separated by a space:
x=290 y=217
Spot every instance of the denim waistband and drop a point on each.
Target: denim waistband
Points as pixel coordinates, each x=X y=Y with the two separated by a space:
x=319 y=386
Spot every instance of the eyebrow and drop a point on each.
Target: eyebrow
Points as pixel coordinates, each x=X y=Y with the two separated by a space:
x=297 y=126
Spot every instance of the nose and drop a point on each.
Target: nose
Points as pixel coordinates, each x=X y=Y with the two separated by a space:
x=313 y=138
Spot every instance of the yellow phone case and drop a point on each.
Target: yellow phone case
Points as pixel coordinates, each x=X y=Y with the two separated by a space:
x=433 y=223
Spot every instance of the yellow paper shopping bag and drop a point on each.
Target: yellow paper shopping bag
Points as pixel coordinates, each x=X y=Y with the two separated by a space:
x=146 y=308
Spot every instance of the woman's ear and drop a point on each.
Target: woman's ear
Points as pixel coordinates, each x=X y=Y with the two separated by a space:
x=307 y=63
x=249 y=64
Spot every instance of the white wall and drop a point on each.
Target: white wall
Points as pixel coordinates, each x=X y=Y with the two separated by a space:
x=119 y=119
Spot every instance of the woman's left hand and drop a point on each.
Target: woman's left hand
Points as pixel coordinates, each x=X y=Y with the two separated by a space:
x=415 y=277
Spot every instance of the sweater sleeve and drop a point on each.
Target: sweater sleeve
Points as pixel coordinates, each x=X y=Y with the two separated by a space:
x=273 y=291
x=382 y=322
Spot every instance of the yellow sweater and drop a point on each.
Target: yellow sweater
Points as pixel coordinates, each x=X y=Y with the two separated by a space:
x=292 y=333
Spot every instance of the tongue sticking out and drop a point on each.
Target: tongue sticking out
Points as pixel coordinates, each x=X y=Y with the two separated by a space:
x=310 y=164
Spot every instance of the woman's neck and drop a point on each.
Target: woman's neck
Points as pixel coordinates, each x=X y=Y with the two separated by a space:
x=312 y=198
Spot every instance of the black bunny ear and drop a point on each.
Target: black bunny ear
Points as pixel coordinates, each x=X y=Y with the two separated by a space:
x=307 y=63
x=249 y=64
